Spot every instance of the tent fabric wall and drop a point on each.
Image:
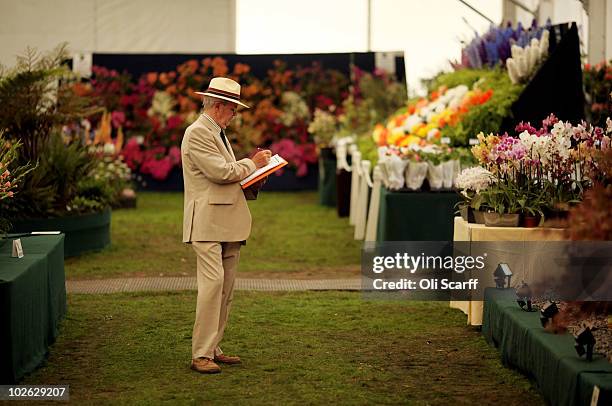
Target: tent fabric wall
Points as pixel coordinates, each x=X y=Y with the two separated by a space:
x=113 y=26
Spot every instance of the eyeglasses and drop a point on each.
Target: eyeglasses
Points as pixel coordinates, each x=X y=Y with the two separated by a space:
x=233 y=108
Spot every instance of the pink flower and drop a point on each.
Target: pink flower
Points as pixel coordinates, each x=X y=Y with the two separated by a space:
x=118 y=118
x=173 y=122
x=175 y=155
x=132 y=154
x=159 y=169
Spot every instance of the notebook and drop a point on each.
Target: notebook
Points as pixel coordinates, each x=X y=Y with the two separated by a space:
x=276 y=162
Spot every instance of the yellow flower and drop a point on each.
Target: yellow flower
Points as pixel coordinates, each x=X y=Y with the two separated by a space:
x=409 y=140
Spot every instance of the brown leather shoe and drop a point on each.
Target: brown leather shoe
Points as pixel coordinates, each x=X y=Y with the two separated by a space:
x=205 y=366
x=226 y=359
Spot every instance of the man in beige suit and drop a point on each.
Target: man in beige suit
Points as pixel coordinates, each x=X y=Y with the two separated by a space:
x=216 y=218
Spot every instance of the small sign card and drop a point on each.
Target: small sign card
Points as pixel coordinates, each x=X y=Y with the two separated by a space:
x=445 y=140
x=17 y=248
x=474 y=141
x=595 y=396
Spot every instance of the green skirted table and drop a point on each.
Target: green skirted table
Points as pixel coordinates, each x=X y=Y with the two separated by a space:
x=32 y=303
x=563 y=377
x=416 y=216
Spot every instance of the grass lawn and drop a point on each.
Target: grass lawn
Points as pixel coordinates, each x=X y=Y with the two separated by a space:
x=297 y=348
x=292 y=236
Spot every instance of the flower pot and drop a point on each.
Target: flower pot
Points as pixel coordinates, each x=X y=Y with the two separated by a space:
x=501 y=220
x=327 y=177
x=84 y=232
x=415 y=174
x=451 y=170
x=479 y=217
x=531 y=221
x=435 y=175
x=467 y=213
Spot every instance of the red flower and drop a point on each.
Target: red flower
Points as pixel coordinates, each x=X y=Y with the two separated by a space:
x=173 y=122
x=132 y=154
x=118 y=118
x=159 y=169
x=175 y=155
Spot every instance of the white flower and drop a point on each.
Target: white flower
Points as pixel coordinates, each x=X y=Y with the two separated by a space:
x=109 y=149
x=476 y=179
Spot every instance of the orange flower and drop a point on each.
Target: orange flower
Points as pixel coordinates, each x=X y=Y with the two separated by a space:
x=241 y=68
x=219 y=66
x=249 y=90
x=206 y=63
x=192 y=64
x=81 y=89
x=151 y=77
x=163 y=79
x=171 y=89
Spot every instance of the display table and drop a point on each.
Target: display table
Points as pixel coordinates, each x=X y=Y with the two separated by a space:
x=465 y=231
x=563 y=377
x=416 y=216
x=32 y=303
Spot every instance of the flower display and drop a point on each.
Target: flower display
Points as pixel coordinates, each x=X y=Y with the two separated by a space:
x=542 y=169
x=422 y=121
x=294 y=108
x=153 y=112
x=323 y=127
x=598 y=90
x=525 y=60
x=494 y=47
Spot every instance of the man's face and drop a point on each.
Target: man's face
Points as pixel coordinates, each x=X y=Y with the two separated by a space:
x=225 y=113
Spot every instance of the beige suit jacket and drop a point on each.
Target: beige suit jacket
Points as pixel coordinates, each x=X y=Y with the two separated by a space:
x=215 y=207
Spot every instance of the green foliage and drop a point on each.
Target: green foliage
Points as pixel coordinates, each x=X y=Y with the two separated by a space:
x=358 y=118
x=36 y=97
x=63 y=174
x=486 y=117
x=383 y=94
x=368 y=149
x=459 y=77
x=96 y=190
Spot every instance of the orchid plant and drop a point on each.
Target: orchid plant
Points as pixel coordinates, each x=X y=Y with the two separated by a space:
x=545 y=168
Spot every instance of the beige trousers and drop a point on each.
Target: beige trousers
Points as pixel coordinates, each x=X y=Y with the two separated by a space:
x=216 y=271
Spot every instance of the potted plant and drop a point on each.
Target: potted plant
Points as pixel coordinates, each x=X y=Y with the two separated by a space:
x=502 y=199
x=323 y=128
x=40 y=107
x=471 y=182
x=531 y=204
x=10 y=178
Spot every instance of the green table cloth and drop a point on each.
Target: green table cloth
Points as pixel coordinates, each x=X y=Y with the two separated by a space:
x=416 y=216
x=563 y=377
x=32 y=303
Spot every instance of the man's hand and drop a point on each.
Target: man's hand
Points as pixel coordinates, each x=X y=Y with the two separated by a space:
x=262 y=158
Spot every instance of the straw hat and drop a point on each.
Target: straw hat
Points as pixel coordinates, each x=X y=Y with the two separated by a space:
x=225 y=89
